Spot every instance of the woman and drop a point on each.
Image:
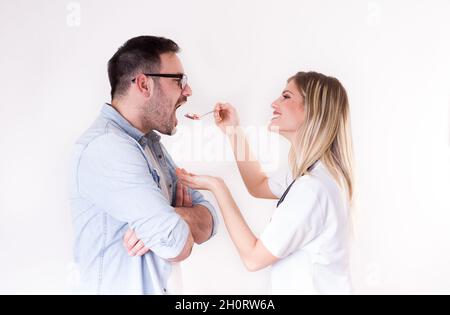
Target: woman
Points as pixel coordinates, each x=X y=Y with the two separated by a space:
x=306 y=241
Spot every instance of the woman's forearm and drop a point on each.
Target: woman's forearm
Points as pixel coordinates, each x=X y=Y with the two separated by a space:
x=249 y=167
x=253 y=253
x=240 y=233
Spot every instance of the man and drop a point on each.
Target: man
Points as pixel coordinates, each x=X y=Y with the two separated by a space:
x=124 y=186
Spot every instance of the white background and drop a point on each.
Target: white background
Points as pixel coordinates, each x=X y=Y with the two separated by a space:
x=392 y=56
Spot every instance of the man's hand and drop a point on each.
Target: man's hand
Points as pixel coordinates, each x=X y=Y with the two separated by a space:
x=134 y=246
x=183 y=197
x=197 y=217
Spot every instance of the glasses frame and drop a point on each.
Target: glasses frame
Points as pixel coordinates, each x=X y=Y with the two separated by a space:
x=182 y=78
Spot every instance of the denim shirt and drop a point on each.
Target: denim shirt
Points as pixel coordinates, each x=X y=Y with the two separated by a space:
x=114 y=187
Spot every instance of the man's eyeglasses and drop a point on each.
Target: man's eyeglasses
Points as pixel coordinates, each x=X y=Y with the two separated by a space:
x=182 y=78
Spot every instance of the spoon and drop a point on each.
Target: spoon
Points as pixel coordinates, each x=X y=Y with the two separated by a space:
x=196 y=116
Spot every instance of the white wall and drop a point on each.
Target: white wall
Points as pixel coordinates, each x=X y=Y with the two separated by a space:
x=393 y=57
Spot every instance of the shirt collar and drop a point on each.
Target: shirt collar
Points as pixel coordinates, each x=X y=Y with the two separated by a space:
x=111 y=113
x=153 y=136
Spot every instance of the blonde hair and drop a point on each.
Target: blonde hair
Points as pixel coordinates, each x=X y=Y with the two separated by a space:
x=325 y=134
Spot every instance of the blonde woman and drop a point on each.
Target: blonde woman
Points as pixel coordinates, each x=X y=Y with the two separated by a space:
x=306 y=241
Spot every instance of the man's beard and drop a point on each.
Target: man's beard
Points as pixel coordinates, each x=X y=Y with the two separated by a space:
x=160 y=113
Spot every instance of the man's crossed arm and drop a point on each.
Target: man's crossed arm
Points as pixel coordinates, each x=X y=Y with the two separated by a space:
x=197 y=217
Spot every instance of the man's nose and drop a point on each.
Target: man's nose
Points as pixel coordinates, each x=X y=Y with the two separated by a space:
x=187 y=91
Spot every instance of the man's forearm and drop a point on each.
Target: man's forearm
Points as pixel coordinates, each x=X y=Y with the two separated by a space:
x=199 y=220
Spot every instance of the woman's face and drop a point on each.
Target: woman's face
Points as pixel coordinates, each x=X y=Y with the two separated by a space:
x=289 y=112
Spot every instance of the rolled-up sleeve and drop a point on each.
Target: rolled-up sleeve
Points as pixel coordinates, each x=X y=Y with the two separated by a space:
x=113 y=174
x=198 y=199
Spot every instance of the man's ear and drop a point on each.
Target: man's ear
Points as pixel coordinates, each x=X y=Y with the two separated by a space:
x=145 y=85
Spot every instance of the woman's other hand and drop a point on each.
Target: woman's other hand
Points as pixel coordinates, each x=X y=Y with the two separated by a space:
x=202 y=182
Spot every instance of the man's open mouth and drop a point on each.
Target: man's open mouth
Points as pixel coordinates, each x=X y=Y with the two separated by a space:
x=179 y=105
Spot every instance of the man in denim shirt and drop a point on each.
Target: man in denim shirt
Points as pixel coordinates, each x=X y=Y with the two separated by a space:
x=132 y=221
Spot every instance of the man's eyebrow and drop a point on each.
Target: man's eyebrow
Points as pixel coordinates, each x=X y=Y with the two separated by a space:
x=287 y=91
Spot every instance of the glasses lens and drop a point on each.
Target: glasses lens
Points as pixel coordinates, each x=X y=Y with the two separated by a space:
x=183 y=81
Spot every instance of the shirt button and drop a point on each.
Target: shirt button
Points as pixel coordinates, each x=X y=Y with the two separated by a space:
x=160 y=156
x=170 y=185
x=165 y=290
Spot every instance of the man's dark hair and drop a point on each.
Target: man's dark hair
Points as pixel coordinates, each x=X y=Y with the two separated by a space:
x=139 y=54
